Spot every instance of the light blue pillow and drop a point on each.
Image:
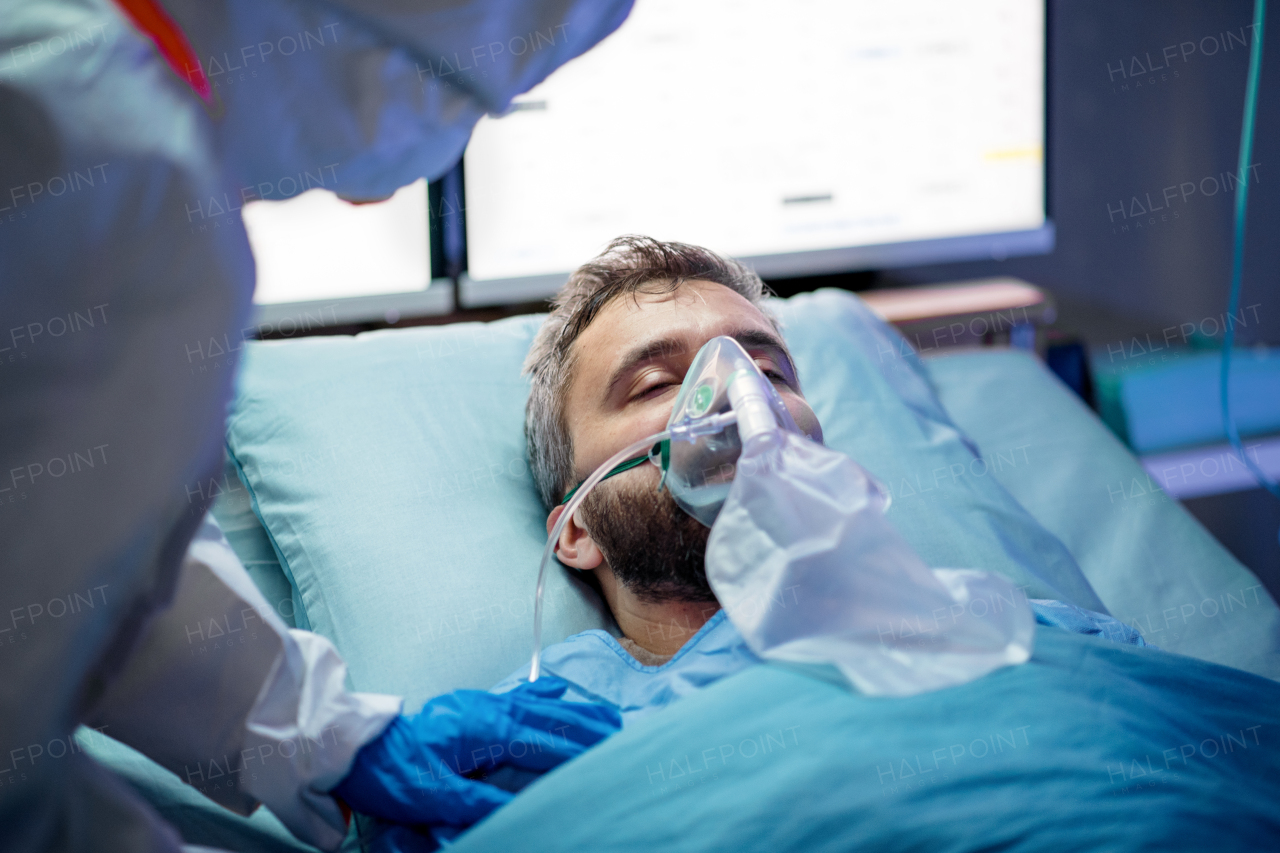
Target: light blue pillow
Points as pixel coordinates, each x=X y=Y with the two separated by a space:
x=233 y=511
x=389 y=470
x=1151 y=562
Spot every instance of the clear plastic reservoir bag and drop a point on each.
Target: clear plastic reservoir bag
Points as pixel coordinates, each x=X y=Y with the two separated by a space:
x=802 y=557
x=809 y=570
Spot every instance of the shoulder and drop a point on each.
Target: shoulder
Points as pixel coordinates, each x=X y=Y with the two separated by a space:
x=594 y=646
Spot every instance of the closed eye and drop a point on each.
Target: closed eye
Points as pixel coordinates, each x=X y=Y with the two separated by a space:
x=653 y=391
x=770 y=369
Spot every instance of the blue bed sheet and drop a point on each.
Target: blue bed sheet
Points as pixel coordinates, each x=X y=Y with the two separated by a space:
x=1089 y=746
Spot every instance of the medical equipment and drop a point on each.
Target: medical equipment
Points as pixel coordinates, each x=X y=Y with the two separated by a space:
x=804 y=518
x=543 y=191
x=787 y=513
x=1237 y=246
x=723 y=395
x=801 y=517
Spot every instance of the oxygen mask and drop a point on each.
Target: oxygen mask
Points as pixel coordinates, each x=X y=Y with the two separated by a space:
x=724 y=396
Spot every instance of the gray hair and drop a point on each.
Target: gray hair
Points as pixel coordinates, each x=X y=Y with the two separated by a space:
x=630 y=265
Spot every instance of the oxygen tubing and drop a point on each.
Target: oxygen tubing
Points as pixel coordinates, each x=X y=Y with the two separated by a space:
x=1237 y=249
x=579 y=496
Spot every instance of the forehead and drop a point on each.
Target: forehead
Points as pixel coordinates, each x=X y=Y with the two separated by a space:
x=690 y=315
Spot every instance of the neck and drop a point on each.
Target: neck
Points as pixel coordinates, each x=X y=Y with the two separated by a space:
x=660 y=627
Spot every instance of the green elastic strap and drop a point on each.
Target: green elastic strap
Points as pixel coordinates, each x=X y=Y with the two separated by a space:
x=623 y=466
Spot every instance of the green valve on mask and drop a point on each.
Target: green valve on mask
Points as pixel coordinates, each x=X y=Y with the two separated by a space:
x=701 y=400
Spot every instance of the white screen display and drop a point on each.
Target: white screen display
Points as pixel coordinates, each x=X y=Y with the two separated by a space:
x=316 y=246
x=755 y=127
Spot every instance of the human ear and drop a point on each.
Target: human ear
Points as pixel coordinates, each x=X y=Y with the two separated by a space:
x=577 y=548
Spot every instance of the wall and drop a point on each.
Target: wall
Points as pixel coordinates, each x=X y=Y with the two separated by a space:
x=1115 y=136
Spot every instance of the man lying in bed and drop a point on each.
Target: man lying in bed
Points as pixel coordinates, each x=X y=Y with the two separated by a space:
x=606 y=368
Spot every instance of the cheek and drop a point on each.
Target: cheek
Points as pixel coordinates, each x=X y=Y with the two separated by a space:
x=595 y=441
x=804 y=417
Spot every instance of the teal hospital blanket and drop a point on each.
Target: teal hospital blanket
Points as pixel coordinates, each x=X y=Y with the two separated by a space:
x=1091 y=745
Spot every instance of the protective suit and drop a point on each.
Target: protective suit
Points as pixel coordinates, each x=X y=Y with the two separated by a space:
x=122 y=262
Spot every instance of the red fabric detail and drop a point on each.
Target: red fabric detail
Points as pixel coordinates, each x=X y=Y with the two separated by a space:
x=345 y=809
x=155 y=23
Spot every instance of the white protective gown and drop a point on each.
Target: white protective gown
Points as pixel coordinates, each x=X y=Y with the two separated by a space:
x=122 y=256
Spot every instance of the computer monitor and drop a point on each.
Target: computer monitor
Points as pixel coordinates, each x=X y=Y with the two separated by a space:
x=807 y=137
x=322 y=261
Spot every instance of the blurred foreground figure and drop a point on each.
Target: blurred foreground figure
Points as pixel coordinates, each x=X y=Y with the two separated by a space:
x=130 y=136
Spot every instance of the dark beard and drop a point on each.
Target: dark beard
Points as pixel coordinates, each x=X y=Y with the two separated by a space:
x=656 y=550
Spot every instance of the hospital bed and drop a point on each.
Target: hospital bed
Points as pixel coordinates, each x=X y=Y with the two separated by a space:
x=376 y=489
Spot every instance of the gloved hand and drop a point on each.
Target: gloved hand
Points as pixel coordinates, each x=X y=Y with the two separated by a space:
x=416 y=771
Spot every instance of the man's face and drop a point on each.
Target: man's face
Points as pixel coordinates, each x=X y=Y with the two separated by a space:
x=631 y=362
x=633 y=357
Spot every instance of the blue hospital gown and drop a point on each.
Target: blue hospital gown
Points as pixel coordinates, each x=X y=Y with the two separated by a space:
x=598 y=669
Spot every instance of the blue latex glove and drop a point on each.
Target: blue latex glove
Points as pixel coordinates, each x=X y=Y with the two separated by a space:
x=416 y=771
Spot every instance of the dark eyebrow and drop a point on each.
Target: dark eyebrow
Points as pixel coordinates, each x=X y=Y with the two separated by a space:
x=760 y=338
x=641 y=354
x=668 y=346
